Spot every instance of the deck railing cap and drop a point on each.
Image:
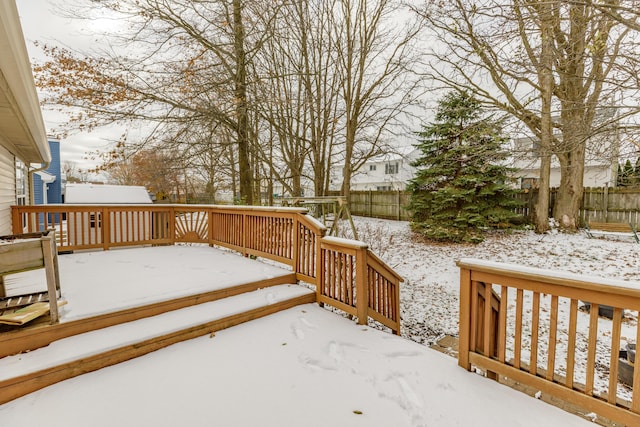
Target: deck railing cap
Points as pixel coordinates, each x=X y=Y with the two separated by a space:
x=356 y=244
x=551 y=276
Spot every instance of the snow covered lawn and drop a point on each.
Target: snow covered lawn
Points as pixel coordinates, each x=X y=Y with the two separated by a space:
x=429 y=295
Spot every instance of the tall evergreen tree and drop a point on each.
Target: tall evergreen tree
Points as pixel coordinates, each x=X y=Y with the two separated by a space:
x=460 y=187
x=636 y=173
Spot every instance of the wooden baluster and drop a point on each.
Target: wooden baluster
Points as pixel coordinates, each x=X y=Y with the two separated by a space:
x=535 y=324
x=502 y=324
x=571 y=345
x=615 y=355
x=591 y=350
x=553 y=332
x=517 y=347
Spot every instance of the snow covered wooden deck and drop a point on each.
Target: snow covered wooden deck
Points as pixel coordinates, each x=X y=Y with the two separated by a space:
x=303 y=366
x=125 y=303
x=110 y=287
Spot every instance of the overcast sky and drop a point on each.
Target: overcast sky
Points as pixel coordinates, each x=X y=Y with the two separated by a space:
x=41 y=23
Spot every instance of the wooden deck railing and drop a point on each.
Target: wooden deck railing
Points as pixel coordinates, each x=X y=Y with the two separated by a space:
x=358 y=282
x=286 y=235
x=533 y=332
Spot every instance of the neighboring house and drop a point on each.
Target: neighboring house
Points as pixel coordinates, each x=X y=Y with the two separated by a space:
x=89 y=225
x=47 y=184
x=23 y=138
x=99 y=194
x=381 y=173
x=599 y=170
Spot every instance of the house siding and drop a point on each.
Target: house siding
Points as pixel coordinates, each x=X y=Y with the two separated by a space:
x=7 y=189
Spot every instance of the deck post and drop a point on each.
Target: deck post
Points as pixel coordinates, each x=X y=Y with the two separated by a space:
x=362 y=290
x=106 y=227
x=465 y=319
x=16 y=221
x=48 y=250
x=210 y=229
x=172 y=225
x=296 y=246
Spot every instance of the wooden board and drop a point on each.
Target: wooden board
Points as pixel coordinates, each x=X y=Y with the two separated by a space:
x=27 y=314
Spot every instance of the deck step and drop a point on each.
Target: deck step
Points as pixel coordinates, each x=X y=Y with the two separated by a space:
x=24 y=373
x=39 y=333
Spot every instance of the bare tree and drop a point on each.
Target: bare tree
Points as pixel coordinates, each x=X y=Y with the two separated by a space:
x=375 y=57
x=535 y=61
x=181 y=63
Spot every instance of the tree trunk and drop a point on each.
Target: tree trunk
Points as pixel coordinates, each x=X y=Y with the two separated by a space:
x=545 y=77
x=567 y=206
x=246 y=178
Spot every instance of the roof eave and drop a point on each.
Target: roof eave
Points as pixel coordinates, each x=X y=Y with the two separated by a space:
x=22 y=129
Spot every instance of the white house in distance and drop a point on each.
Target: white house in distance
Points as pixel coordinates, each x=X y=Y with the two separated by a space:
x=600 y=170
x=23 y=137
x=388 y=172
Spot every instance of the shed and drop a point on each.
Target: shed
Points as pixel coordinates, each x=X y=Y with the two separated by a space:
x=86 y=226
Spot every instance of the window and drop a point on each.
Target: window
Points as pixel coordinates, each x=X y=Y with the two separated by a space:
x=21 y=183
x=92 y=220
x=383 y=188
x=372 y=167
x=391 y=168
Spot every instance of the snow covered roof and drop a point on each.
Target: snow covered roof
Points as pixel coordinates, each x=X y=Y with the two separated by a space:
x=105 y=194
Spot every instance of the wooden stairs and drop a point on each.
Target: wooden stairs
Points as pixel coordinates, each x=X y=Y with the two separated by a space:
x=43 y=354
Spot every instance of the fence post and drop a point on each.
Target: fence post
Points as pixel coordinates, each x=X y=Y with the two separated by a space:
x=362 y=288
x=605 y=203
x=398 y=200
x=464 y=344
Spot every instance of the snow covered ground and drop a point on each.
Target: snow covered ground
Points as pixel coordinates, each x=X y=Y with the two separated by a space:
x=430 y=293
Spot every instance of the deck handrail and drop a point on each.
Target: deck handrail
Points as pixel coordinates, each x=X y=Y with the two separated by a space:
x=284 y=234
x=504 y=340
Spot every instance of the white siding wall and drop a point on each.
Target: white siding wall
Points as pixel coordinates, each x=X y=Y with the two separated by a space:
x=7 y=189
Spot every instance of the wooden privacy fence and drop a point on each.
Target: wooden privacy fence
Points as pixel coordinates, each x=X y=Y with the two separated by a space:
x=533 y=332
x=346 y=274
x=604 y=204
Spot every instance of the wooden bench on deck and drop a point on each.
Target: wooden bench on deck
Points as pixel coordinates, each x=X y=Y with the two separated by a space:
x=615 y=228
x=25 y=252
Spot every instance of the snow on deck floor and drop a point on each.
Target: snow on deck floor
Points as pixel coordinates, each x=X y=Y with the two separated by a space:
x=105 y=281
x=304 y=366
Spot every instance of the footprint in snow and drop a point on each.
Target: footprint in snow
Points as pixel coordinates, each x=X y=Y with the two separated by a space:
x=306 y=323
x=403 y=354
x=335 y=351
x=411 y=398
x=299 y=333
x=315 y=364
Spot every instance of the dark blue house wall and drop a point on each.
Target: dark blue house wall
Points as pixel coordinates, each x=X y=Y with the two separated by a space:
x=54 y=190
